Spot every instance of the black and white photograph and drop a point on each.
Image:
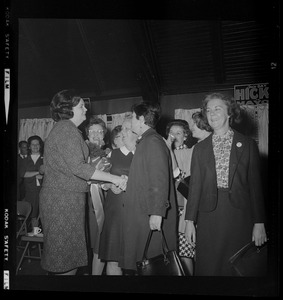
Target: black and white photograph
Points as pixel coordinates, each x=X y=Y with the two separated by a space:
x=141 y=147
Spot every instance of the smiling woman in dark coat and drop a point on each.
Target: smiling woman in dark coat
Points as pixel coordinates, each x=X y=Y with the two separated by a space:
x=225 y=195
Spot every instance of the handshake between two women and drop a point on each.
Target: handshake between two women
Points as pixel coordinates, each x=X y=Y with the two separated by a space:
x=120 y=184
x=103 y=176
x=117 y=184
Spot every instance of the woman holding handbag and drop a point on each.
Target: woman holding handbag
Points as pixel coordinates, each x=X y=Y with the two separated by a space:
x=225 y=205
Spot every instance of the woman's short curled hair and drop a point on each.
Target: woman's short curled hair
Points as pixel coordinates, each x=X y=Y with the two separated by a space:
x=61 y=106
x=114 y=132
x=179 y=122
x=93 y=120
x=201 y=122
x=234 y=110
x=37 y=138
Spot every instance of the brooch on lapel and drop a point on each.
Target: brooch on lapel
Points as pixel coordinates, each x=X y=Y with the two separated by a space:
x=239 y=144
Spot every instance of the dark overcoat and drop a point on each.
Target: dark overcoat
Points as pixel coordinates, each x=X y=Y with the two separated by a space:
x=150 y=191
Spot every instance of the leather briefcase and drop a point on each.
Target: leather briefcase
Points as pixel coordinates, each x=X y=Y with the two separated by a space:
x=165 y=264
x=250 y=260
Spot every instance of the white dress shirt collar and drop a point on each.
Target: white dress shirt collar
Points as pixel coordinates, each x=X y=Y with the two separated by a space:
x=125 y=150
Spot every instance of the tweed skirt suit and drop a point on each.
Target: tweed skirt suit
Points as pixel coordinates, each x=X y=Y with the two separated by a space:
x=63 y=198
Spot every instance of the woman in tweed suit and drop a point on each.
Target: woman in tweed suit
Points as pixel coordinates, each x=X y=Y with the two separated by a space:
x=63 y=195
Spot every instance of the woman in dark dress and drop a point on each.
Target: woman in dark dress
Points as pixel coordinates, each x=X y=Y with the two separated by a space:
x=110 y=242
x=33 y=170
x=225 y=194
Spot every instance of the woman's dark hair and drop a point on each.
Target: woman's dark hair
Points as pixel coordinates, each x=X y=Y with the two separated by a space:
x=93 y=120
x=150 y=111
x=38 y=138
x=114 y=132
x=201 y=121
x=179 y=122
x=234 y=110
x=61 y=106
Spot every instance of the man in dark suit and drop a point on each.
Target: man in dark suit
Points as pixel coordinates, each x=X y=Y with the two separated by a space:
x=23 y=152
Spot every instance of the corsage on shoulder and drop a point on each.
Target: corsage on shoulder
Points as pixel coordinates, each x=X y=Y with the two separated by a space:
x=98 y=157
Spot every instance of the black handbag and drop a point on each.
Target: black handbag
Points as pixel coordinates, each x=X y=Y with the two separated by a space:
x=251 y=260
x=165 y=264
x=183 y=186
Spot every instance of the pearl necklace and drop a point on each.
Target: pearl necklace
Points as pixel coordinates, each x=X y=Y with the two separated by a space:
x=183 y=146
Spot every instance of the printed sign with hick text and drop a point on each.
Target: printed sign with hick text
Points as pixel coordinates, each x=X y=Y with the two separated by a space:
x=251 y=93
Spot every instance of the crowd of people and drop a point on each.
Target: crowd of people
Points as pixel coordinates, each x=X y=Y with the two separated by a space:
x=97 y=200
